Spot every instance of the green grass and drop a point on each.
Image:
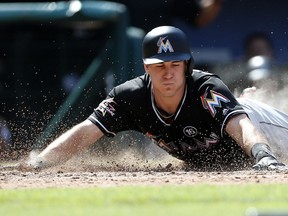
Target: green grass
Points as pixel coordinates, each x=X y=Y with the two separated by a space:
x=178 y=200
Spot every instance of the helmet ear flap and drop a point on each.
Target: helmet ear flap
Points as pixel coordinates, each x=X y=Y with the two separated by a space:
x=190 y=66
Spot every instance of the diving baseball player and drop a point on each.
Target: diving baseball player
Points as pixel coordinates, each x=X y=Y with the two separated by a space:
x=189 y=113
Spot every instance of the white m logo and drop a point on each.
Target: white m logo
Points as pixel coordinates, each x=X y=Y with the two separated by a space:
x=164 y=46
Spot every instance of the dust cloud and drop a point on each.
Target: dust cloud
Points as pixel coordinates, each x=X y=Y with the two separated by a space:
x=270 y=94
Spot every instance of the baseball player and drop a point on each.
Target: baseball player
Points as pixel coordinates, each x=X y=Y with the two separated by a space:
x=189 y=113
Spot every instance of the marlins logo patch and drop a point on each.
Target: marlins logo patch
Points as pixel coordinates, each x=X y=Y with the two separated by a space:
x=164 y=46
x=107 y=106
x=213 y=102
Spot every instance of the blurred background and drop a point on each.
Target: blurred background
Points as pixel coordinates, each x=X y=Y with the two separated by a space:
x=59 y=59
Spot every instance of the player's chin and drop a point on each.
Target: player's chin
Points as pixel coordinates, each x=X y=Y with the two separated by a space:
x=169 y=93
x=168 y=88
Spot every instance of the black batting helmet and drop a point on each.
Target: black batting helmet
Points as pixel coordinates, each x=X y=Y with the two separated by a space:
x=166 y=43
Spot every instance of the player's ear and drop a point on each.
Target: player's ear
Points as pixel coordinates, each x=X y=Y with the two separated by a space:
x=146 y=68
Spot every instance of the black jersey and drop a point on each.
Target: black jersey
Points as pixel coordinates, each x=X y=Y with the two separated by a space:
x=197 y=126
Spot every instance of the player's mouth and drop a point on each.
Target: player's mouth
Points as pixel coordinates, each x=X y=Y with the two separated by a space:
x=168 y=83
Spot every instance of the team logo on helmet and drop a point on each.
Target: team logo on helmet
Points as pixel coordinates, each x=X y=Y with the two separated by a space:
x=164 y=46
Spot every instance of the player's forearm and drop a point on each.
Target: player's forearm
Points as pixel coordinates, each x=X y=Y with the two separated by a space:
x=244 y=133
x=253 y=142
x=63 y=148
x=250 y=138
x=68 y=144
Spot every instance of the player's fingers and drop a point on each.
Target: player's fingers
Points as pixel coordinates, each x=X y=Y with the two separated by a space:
x=257 y=167
x=26 y=167
x=272 y=167
x=281 y=168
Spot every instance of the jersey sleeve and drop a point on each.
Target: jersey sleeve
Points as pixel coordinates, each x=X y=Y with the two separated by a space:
x=218 y=101
x=117 y=112
x=110 y=117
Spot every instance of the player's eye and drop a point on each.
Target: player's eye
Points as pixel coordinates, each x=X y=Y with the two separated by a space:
x=176 y=63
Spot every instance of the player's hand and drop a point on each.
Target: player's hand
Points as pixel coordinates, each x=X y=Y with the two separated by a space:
x=265 y=159
x=32 y=164
x=36 y=162
x=269 y=163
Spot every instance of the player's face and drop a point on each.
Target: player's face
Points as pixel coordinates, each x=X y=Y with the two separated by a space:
x=168 y=78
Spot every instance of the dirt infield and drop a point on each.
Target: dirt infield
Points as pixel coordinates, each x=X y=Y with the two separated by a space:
x=57 y=178
x=86 y=172
x=118 y=167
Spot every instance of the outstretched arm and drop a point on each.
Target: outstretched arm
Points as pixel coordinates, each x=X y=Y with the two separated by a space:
x=252 y=141
x=68 y=144
x=241 y=130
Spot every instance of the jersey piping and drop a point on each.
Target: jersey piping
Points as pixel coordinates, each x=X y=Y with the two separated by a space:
x=102 y=126
x=227 y=117
x=178 y=111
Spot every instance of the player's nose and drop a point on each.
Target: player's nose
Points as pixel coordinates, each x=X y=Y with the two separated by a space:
x=168 y=73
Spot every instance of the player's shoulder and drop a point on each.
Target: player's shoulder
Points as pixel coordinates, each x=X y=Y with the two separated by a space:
x=132 y=86
x=198 y=77
x=198 y=74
